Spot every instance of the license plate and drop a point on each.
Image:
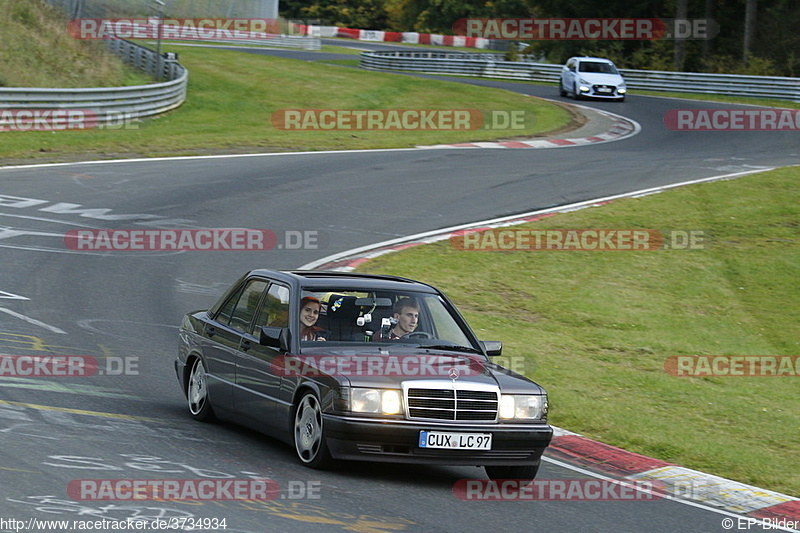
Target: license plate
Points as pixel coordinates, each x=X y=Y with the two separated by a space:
x=603 y=90
x=455 y=441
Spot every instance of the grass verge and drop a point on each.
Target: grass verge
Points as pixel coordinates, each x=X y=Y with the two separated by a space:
x=232 y=96
x=37 y=51
x=595 y=328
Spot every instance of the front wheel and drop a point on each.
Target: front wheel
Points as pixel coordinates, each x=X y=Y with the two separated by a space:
x=524 y=472
x=309 y=433
x=561 y=90
x=197 y=393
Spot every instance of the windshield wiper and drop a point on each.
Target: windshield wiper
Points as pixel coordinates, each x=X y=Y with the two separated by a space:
x=453 y=347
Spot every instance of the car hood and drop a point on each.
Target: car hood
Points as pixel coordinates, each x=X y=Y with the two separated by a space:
x=596 y=78
x=389 y=367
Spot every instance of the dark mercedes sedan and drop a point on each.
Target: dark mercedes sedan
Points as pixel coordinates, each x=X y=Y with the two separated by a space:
x=360 y=367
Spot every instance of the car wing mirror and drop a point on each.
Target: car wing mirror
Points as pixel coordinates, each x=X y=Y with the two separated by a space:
x=275 y=337
x=492 y=348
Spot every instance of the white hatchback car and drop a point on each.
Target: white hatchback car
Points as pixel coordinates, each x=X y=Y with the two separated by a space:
x=592 y=77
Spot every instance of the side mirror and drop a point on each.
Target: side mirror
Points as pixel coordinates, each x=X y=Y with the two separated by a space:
x=275 y=337
x=492 y=348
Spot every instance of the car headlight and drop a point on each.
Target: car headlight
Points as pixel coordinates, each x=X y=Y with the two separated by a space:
x=384 y=401
x=523 y=407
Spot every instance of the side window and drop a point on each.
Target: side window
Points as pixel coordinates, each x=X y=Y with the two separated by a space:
x=225 y=312
x=247 y=305
x=274 y=309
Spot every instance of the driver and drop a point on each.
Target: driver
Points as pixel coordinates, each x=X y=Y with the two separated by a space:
x=406 y=315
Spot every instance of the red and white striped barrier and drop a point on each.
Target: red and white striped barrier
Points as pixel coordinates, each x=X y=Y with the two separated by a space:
x=406 y=37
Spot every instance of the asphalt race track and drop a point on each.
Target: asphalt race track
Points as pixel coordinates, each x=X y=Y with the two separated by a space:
x=129 y=421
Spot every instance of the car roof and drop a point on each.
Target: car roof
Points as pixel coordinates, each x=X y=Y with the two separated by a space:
x=311 y=279
x=594 y=59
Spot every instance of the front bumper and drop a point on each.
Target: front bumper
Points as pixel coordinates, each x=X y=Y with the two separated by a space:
x=397 y=441
x=609 y=92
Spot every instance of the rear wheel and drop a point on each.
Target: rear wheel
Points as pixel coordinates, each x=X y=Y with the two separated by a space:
x=309 y=433
x=524 y=472
x=197 y=392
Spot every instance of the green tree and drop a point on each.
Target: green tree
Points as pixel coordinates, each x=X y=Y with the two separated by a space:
x=361 y=14
x=439 y=16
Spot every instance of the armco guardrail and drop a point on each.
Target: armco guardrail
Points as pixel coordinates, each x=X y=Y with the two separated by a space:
x=494 y=66
x=306 y=42
x=459 y=64
x=229 y=37
x=111 y=105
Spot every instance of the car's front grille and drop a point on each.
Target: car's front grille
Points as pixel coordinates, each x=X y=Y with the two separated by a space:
x=604 y=89
x=452 y=404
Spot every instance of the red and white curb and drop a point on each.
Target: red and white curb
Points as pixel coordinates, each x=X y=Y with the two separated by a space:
x=350 y=259
x=621 y=128
x=682 y=483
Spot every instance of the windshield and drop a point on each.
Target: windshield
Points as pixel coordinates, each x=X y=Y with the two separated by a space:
x=380 y=316
x=600 y=67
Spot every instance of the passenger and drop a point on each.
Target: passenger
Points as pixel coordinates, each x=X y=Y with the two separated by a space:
x=405 y=317
x=309 y=314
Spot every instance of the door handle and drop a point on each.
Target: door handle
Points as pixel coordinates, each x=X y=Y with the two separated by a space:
x=246 y=346
x=211 y=331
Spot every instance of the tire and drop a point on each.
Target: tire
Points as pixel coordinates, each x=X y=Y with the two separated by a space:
x=575 y=94
x=309 y=433
x=561 y=90
x=197 y=392
x=524 y=472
